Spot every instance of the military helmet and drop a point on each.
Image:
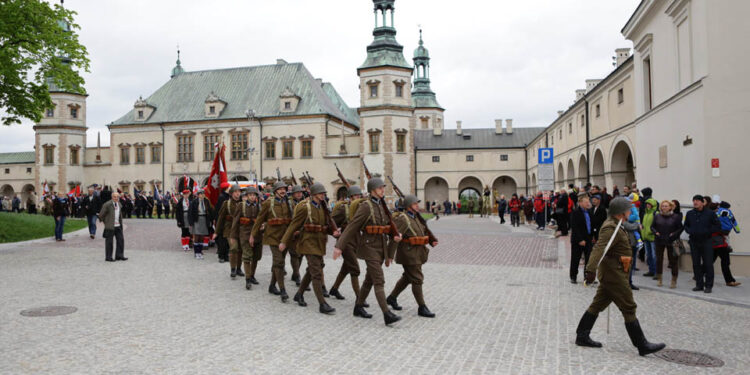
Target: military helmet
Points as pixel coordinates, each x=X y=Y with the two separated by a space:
x=297 y=189
x=618 y=206
x=234 y=188
x=374 y=183
x=279 y=185
x=354 y=190
x=399 y=204
x=317 y=188
x=251 y=190
x=410 y=200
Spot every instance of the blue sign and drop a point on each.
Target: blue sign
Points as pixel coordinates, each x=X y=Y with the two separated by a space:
x=546 y=155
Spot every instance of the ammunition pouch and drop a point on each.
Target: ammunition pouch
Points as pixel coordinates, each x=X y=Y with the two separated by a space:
x=378 y=229
x=626 y=262
x=247 y=221
x=315 y=228
x=417 y=241
x=279 y=221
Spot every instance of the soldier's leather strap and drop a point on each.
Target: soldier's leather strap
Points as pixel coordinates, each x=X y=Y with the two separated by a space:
x=246 y=220
x=279 y=221
x=228 y=217
x=315 y=228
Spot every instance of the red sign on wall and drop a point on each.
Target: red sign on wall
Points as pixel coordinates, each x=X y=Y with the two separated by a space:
x=715 y=163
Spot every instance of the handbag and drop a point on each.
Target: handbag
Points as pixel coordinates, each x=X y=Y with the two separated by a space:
x=678 y=247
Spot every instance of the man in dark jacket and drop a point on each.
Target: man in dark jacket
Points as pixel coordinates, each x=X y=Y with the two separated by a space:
x=60 y=211
x=598 y=216
x=581 y=236
x=222 y=244
x=700 y=223
x=502 y=206
x=91 y=206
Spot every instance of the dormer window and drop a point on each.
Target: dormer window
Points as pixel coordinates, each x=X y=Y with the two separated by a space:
x=142 y=110
x=140 y=115
x=214 y=105
x=288 y=101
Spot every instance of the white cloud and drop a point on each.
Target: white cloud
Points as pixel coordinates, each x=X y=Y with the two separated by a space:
x=490 y=59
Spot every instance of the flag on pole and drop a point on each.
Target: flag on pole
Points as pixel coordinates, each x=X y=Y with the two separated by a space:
x=45 y=188
x=157 y=196
x=76 y=191
x=217 y=177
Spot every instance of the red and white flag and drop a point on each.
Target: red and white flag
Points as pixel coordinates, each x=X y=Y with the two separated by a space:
x=76 y=191
x=217 y=177
x=45 y=188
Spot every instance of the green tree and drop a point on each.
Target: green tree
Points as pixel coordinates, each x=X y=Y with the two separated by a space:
x=39 y=51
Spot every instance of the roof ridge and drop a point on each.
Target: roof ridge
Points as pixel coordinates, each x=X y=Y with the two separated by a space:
x=243 y=67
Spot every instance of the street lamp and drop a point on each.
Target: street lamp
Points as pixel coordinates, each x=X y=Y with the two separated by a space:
x=250 y=113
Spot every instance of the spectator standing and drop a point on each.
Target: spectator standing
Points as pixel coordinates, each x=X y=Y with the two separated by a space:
x=111 y=215
x=200 y=216
x=581 y=236
x=666 y=228
x=649 y=209
x=16 y=204
x=563 y=208
x=700 y=224
x=502 y=206
x=514 y=206
x=458 y=207
x=60 y=211
x=539 y=207
x=598 y=216
x=31 y=203
x=722 y=249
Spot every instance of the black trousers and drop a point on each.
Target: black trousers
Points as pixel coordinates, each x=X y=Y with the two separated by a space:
x=723 y=253
x=702 y=253
x=562 y=223
x=222 y=247
x=576 y=251
x=120 y=243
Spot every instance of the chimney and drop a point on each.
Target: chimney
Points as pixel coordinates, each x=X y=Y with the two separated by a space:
x=458 y=128
x=621 y=54
x=559 y=113
x=580 y=93
x=437 y=129
x=281 y=62
x=509 y=126
x=499 y=126
x=591 y=83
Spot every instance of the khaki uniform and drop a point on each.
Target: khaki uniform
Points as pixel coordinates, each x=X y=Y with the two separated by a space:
x=295 y=259
x=310 y=220
x=410 y=253
x=613 y=280
x=471 y=207
x=342 y=213
x=224 y=221
x=277 y=215
x=372 y=247
x=242 y=228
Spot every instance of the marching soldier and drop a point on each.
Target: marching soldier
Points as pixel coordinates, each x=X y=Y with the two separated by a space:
x=222 y=245
x=471 y=207
x=311 y=222
x=295 y=259
x=613 y=265
x=224 y=229
x=276 y=214
x=342 y=213
x=370 y=228
x=242 y=229
x=412 y=253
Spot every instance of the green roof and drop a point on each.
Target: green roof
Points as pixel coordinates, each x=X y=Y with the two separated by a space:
x=17 y=157
x=183 y=97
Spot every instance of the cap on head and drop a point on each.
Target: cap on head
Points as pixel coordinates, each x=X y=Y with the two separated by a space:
x=317 y=188
x=619 y=206
x=374 y=183
x=354 y=190
x=410 y=200
x=279 y=185
x=698 y=197
x=297 y=189
x=234 y=188
x=716 y=198
x=186 y=191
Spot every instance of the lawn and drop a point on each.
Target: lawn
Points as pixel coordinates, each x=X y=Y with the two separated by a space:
x=21 y=227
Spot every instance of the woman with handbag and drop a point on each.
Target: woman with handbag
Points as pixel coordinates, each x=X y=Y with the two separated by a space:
x=666 y=228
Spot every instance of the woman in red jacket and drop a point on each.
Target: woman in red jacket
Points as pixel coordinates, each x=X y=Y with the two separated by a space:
x=539 y=208
x=514 y=206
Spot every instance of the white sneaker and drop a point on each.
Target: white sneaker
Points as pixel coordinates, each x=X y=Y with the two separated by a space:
x=199 y=256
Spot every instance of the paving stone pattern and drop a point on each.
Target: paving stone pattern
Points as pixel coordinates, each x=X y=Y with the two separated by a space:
x=164 y=312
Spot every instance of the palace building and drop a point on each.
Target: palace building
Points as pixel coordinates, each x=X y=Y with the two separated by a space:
x=670 y=115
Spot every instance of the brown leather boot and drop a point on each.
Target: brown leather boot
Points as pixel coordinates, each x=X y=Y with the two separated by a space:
x=658 y=279
x=673 y=284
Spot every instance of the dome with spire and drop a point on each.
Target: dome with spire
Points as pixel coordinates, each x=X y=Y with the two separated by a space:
x=177 y=70
x=421 y=51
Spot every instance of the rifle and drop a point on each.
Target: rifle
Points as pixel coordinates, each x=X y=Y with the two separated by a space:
x=278 y=174
x=341 y=176
x=419 y=215
x=294 y=180
x=394 y=230
x=367 y=171
x=327 y=208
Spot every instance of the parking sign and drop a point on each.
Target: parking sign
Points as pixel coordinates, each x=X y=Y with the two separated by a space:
x=546 y=156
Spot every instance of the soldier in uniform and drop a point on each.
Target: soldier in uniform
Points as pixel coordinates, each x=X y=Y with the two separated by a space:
x=242 y=229
x=295 y=259
x=224 y=221
x=471 y=207
x=310 y=219
x=342 y=213
x=370 y=226
x=412 y=253
x=276 y=214
x=222 y=245
x=613 y=281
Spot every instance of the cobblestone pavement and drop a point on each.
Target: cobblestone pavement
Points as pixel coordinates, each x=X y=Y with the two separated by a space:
x=510 y=311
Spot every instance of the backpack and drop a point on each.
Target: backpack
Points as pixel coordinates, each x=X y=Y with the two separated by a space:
x=726 y=218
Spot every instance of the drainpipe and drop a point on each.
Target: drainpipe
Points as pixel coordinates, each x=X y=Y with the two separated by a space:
x=163 y=182
x=415 y=170
x=588 y=140
x=526 y=159
x=260 y=148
